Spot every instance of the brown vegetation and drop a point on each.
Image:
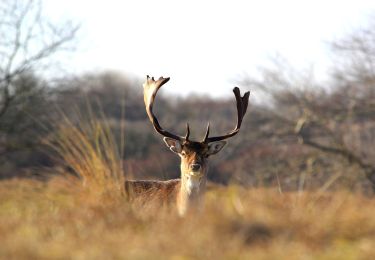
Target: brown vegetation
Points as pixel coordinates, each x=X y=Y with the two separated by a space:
x=57 y=219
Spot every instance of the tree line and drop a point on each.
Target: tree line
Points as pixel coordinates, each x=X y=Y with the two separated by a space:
x=303 y=134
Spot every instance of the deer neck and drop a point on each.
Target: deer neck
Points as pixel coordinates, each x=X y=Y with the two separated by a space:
x=192 y=190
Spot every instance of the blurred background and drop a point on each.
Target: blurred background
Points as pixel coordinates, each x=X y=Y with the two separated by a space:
x=310 y=67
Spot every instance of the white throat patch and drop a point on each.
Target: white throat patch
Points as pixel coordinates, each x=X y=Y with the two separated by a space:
x=193 y=183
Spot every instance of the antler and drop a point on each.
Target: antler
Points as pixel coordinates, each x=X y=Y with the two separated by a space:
x=242 y=103
x=150 y=89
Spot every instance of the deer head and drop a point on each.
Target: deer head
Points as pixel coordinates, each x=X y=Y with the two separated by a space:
x=193 y=154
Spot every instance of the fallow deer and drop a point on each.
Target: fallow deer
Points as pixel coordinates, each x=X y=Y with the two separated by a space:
x=188 y=191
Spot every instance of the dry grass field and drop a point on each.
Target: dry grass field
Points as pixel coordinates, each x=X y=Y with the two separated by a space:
x=86 y=215
x=61 y=219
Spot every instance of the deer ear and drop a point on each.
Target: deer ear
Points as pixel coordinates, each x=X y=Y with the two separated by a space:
x=173 y=144
x=215 y=147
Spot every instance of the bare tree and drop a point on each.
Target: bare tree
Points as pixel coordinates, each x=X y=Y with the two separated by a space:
x=336 y=117
x=27 y=40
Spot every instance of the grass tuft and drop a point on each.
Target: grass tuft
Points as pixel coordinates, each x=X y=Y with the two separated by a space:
x=87 y=149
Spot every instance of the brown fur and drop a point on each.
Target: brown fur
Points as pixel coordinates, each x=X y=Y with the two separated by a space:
x=154 y=190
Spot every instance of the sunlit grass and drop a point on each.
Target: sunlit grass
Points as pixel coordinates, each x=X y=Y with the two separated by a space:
x=88 y=150
x=82 y=213
x=50 y=220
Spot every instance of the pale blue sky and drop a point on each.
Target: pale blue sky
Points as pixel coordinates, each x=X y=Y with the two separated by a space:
x=205 y=46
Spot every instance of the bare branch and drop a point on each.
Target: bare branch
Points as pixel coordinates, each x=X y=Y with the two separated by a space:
x=28 y=41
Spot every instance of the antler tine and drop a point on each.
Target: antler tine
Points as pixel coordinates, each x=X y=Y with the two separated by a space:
x=150 y=89
x=187 y=132
x=207 y=132
x=242 y=103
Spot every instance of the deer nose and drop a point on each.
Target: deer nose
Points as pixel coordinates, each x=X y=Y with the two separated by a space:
x=195 y=167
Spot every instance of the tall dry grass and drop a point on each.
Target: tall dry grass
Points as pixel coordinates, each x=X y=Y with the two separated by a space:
x=83 y=214
x=49 y=220
x=87 y=149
